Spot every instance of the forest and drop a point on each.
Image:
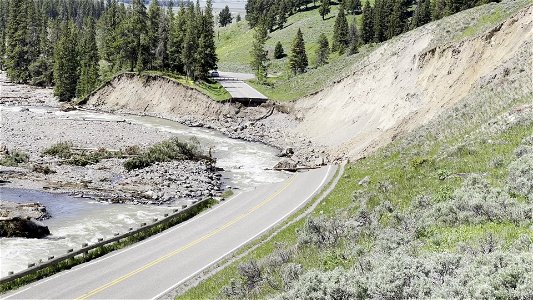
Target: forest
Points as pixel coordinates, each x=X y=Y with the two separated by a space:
x=76 y=45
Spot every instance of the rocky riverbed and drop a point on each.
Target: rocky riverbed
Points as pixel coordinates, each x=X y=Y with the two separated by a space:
x=31 y=122
x=34 y=130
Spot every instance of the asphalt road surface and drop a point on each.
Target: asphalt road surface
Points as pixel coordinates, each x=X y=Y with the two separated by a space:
x=235 y=85
x=155 y=266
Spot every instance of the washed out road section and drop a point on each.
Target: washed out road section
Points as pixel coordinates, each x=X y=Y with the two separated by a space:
x=237 y=88
x=151 y=268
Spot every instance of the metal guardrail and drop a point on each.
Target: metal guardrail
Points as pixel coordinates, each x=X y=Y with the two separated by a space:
x=35 y=267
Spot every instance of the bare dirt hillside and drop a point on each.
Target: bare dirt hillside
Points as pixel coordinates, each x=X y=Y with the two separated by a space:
x=411 y=79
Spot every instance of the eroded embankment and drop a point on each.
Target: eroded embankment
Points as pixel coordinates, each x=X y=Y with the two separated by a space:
x=403 y=84
x=411 y=79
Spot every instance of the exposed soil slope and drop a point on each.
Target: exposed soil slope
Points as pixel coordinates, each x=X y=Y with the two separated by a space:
x=408 y=81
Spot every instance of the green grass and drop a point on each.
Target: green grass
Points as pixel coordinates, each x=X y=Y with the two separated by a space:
x=406 y=173
x=233 y=50
x=212 y=89
x=14 y=158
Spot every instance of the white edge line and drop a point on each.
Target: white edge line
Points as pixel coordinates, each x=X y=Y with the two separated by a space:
x=154 y=237
x=250 y=239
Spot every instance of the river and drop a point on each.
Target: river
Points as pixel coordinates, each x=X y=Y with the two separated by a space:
x=77 y=220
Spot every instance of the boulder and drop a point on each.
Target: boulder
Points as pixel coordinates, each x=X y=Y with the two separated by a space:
x=286 y=164
x=22 y=227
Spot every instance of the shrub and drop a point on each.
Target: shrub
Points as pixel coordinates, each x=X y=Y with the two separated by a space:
x=321 y=231
x=520 y=180
x=14 y=158
x=168 y=150
x=476 y=202
x=43 y=169
x=61 y=150
x=336 y=284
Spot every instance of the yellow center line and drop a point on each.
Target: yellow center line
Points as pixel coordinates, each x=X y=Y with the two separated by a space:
x=195 y=242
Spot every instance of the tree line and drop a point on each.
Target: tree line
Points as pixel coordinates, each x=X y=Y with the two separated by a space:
x=380 y=22
x=74 y=45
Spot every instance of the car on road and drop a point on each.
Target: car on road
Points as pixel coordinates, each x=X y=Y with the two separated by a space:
x=214 y=74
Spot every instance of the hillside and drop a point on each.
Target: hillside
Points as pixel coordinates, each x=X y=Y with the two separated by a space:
x=440 y=202
x=234 y=42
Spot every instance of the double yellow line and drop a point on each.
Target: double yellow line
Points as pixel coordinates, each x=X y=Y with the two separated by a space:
x=195 y=242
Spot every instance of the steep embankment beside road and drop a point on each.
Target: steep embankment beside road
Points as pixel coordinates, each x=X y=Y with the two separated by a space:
x=153 y=95
x=413 y=78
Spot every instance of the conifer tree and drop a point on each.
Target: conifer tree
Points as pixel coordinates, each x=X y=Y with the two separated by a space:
x=238 y=18
x=259 y=61
x=190 y=43
x=398 y=18
x=66 y=63
x=367 y=32
x=207 y=57
x=322 y=52
x=139 y=27
x=17 y=51
x=41 y=69
x=224 y=17
x=161 y=52
x=153 y=33
x=88 y=55
x=298 y=57
x=340 y=33
x=325 y=8
x=422 y=14
x=176 y=39
x=278 y=51
x=354 y=39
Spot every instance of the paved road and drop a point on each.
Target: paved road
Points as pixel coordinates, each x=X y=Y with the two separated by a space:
x=149 y=269
x=238 y=89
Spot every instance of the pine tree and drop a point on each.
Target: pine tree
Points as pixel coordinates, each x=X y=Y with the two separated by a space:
x=278 y=51
x=207 y=57
x=322 y=52
x=176 y=40
x=139 y=25
x=340 y=33
x=88 y=55
x=17 y=49
x=398 y=18
x=224 y=17
x=190 y=43
x=161 y=52
x=259 y=61
x=298 y=58
x=153 y=33
x=422 y=14
x=354 y=39
x=238 y=18
x=41 y=69
x=66 y=63
x=324 y=9
x=367 y=32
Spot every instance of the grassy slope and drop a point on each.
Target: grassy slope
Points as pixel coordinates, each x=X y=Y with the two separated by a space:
x=412 y=167
x=233 y=49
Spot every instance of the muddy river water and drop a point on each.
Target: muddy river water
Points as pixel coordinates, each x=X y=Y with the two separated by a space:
x=77 y=220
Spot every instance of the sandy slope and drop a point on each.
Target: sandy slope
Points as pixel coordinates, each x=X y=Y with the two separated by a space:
x=407 y=82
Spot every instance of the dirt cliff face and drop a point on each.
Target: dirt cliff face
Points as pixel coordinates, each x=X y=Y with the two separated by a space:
x=411 y=79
